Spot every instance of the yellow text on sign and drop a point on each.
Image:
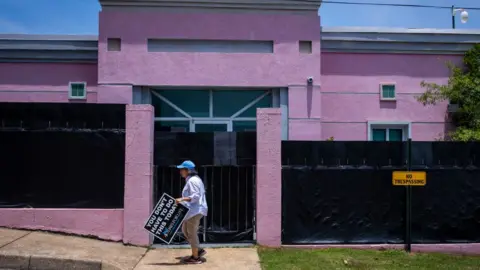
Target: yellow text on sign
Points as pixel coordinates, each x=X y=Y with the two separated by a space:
x=409 y=178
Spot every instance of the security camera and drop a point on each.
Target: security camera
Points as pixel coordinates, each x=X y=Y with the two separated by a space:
x=310 y=79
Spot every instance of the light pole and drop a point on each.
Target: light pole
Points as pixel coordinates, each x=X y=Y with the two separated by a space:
x=463 y=15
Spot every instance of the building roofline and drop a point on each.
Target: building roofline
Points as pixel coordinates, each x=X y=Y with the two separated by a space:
x=398 y=40
x=48 y=37
x=84 y=48
x=391 y=30
x=217 y=5
x=48 y=48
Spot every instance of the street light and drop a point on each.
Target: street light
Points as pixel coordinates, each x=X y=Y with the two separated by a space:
x=463 y=15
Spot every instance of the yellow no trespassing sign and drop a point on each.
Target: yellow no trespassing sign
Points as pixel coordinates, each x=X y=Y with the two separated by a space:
x=409 y=178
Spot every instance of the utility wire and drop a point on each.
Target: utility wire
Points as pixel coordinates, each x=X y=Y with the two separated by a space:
x=391 y=5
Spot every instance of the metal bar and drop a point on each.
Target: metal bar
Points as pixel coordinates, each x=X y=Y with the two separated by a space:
x=246 y=201
x=249 y=105
x=171 y=182
x=213 y=197
x=204 y=218
x=229 y=197
x=253 y=204
x=221 y=196
x=170 y=104
x=180 y=188
x=453 y=17
x=238 y=199
x=199 y=119
x=408 y=219
x=210 y=107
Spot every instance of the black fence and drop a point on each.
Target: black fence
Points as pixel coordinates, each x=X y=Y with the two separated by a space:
x=226 y=163
x=62 y=155
x=342 y=192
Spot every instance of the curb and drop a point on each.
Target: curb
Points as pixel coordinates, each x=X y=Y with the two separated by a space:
x=39 y=262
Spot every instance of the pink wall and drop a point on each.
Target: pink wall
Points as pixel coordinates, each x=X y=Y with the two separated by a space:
x=350 y=96
x=49 y=82
x=44 y=82
x=135 y=65
x=269 y=177
x=138 y=173
x=103 y=223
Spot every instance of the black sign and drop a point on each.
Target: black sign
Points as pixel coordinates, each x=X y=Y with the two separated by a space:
x=166 y=218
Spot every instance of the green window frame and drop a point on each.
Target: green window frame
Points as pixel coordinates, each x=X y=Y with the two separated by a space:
x=77 y=90
x=388 y=134
x=388 y=91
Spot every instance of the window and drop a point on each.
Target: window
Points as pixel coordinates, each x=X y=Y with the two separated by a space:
x=387 y=91
x=114 y=44
x=78 y=90
x=305 y=46
x=388 y=132
x=224 y=107
x=209 y=110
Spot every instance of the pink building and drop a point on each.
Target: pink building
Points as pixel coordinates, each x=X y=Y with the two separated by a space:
x=229 y=58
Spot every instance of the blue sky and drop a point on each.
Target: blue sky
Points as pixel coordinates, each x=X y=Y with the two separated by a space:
x=81 y=16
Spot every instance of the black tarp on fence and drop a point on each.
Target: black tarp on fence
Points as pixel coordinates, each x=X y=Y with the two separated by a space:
x=226 y=163
x=53 y=161
x=341 y=192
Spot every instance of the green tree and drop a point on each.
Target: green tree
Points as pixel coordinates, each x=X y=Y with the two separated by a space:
x=463 y=88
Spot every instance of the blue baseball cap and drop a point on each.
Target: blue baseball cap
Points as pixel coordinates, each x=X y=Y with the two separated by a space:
x=187 y=164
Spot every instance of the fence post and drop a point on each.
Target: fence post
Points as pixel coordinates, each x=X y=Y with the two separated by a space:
x=269 y=177
x=408 y=202
x=138 y=201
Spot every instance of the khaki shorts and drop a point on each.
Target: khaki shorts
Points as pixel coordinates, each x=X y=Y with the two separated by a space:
x=190 y=230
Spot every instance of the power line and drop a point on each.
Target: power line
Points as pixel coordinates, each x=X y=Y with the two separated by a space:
x=394 y=5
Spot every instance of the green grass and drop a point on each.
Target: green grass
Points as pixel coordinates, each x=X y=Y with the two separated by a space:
x=332 y=259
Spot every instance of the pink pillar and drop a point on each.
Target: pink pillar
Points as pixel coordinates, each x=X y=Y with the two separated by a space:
x=138 y=173
x=269 y=177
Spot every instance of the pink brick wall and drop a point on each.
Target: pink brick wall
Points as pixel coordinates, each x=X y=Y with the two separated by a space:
x=103 y=223
x=138 y=173
x=269 y=177
x=135 y=65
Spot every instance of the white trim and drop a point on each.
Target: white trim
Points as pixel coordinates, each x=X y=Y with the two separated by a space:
x=406 y=126
x=204 y=119
x=171 y=104
x=245 y=119
x=382 y=98
x=70 y=96
x=249 y=105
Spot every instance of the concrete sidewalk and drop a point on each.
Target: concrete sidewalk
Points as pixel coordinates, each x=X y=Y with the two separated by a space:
x=23 y=249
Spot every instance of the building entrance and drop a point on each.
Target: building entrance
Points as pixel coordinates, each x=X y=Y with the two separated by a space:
x=209 y=110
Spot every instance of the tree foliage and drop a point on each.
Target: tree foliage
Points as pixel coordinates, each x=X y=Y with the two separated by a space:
x=463 y=88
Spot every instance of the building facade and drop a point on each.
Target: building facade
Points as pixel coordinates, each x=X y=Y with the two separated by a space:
x=208 y=65
x=231 y=58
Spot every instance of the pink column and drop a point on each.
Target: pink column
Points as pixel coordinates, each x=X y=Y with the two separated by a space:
x=138 y=173
x=269 y=177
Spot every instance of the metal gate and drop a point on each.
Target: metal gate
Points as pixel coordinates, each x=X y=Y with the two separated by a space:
x=230 y=192
x=229 y=180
